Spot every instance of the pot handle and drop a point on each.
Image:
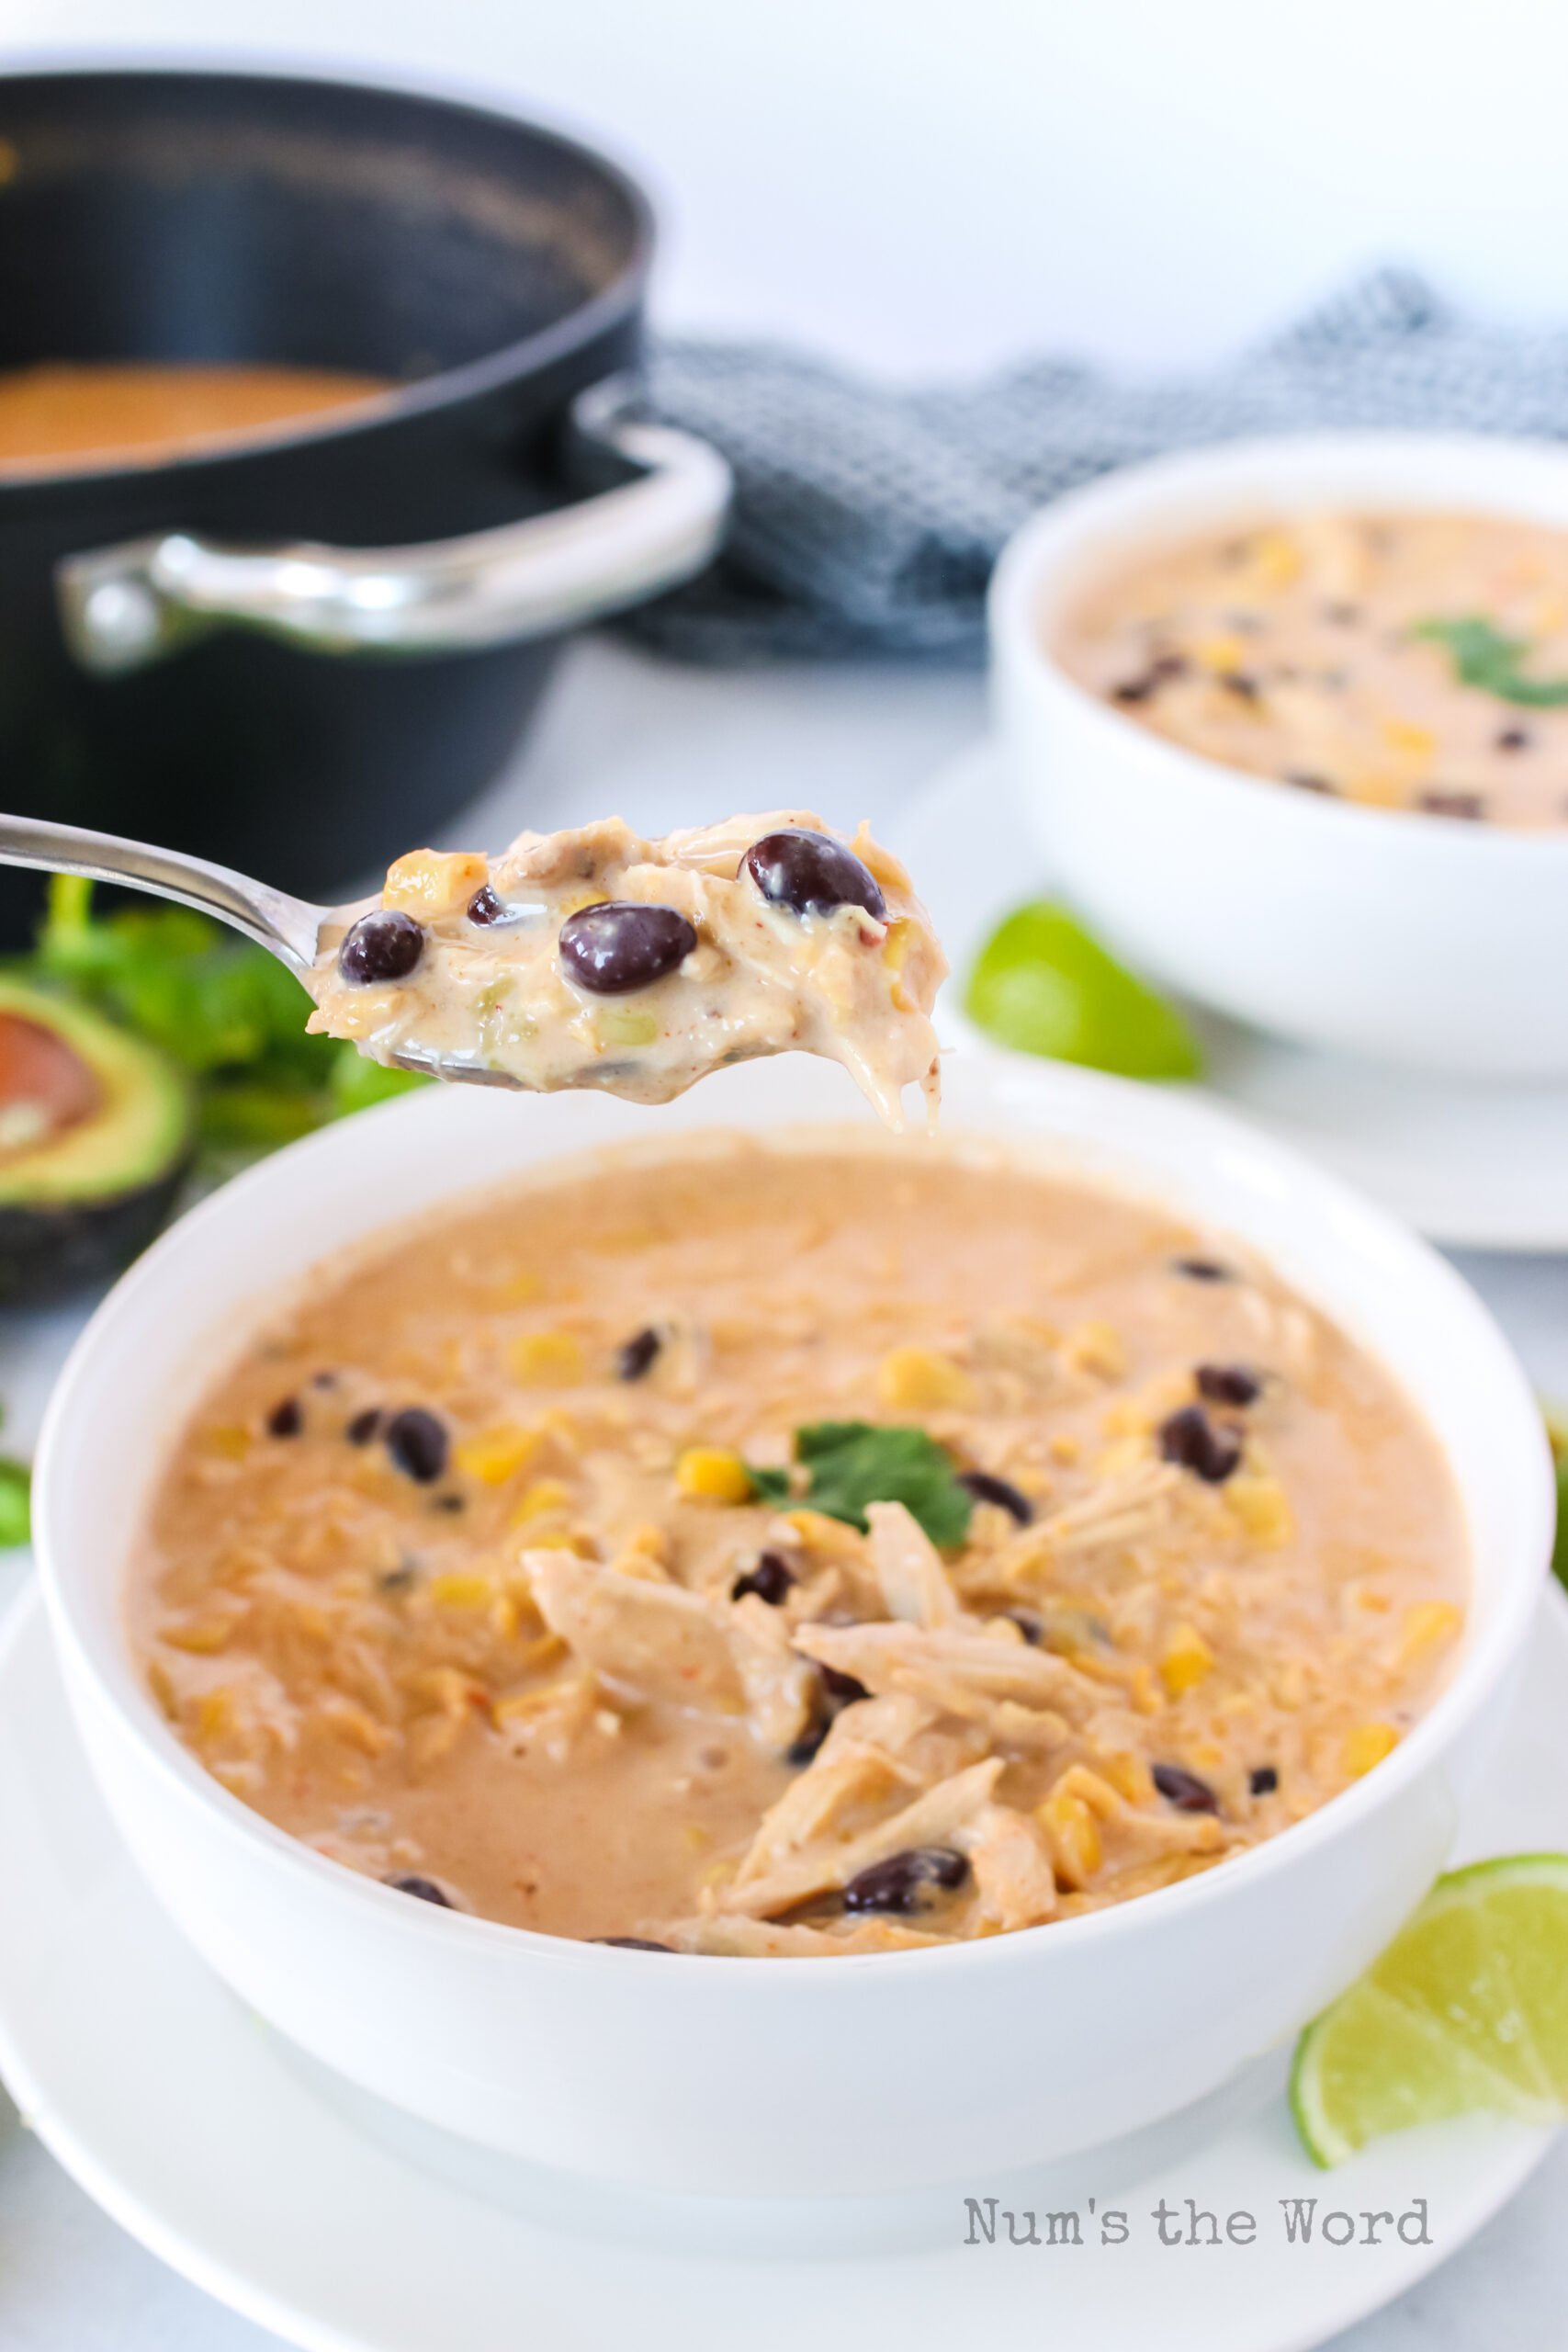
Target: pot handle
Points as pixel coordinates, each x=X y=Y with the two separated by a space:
x=124 y=607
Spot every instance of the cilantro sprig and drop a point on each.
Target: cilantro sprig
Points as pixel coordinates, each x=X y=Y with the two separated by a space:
x=851 y=1463
x=1484 y=656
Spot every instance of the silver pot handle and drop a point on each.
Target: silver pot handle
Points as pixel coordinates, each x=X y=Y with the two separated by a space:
x=122 y=607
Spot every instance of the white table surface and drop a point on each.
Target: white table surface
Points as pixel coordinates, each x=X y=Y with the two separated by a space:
x=665 y=746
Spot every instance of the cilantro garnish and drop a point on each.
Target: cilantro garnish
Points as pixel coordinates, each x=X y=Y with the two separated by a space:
x=227 y=1011
x=855 y=1463
x=1482 y=656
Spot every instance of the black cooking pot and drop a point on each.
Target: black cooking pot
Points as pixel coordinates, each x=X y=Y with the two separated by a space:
x=297 y=653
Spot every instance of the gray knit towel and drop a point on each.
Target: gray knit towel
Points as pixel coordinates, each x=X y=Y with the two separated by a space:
x=867 y=521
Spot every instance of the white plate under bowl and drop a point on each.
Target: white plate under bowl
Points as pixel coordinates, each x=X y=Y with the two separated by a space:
x=347 y=2228
x=1474 y=1164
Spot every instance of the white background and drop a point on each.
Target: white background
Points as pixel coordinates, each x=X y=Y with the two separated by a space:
x=936 y=185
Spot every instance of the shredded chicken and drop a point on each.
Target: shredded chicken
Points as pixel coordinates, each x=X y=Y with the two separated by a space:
x=933 y=1820
x=914 y=1585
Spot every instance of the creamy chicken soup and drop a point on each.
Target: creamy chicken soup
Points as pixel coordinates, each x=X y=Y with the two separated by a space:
x=594 y=959
x=797 y=1551
x=1405 y=662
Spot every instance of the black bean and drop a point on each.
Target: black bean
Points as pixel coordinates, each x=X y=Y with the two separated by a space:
x=448 y=1503
x=285 y=1419
x=1228 y=1383
x=1263 y=1780
x=803 y=1749
x=1133 y=690
x=1469 y=806
x=1028 y=1624
x=323 y=1380
x=484 y=907
x=770 y=1581
x=1237 y=682
x=987 y=1488
x=1202 y=1270
x=417 y=1443
x=1514 y=738
x=811 y=874
x=622 y=944
x=1184 y=1789
x=630 y=1943
x=1190 y=1437
x=380 y=946
x=425 y=1888
x=636 y=1354
x=397 y=1579
x=364 y=1426
x=833 y=1692
x=901 y=1883
x=1305 y=782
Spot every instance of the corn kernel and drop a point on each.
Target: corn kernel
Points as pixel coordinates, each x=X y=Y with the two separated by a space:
x=429 y=883
x=505 y=1616
x=1065 y=1448
x=1101 y=1799
x=544 y=1496
x=1427 y=1625
x=710 y=1473
x=1263 y=1508
x=494 y=1455
x=231 y=1443
x=1220 y=653
x=915 y=1380
x=458 y=1591
x=1405 y=735
x=1095 y=1347
x=215 y=1714
x=1073 y=1835
x=546 y=1359
x=1275 y=560
x=1186 y=1661
x=1127 y=1774
x=895 y=955
x=203 y=1640
x=1367 y=1746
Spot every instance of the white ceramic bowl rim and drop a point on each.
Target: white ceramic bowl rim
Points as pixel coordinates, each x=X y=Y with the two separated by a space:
x=108 y=1662
x=1181 y=496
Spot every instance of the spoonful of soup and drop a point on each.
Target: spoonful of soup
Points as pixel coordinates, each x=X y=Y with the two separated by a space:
x=591 y=958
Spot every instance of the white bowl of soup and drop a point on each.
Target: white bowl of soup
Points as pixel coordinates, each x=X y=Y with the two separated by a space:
x=1289 y=720
x=370 y=1496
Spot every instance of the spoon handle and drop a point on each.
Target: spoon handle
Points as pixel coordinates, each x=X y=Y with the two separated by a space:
x=287 y=927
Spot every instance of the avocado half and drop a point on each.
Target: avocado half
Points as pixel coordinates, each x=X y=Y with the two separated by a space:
x=96 y=1129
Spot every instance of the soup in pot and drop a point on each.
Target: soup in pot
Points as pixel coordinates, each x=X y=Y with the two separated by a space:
x=79 y=414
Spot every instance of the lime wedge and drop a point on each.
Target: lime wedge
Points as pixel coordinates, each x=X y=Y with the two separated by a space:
x=1467 y=2009
x=1044 y=985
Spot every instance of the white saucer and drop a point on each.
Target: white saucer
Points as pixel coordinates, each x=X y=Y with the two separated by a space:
x=323 y=2215
x=1474 y=1165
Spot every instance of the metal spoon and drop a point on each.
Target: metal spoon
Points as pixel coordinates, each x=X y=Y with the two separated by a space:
x=288 y=928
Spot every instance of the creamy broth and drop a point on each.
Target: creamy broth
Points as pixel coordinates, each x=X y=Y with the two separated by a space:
x=593 y=958
x=1415 y=663
x=463 y=1576
x=69 y=415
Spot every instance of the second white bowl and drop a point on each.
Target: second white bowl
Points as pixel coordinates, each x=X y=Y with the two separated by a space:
x=1413 y=939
